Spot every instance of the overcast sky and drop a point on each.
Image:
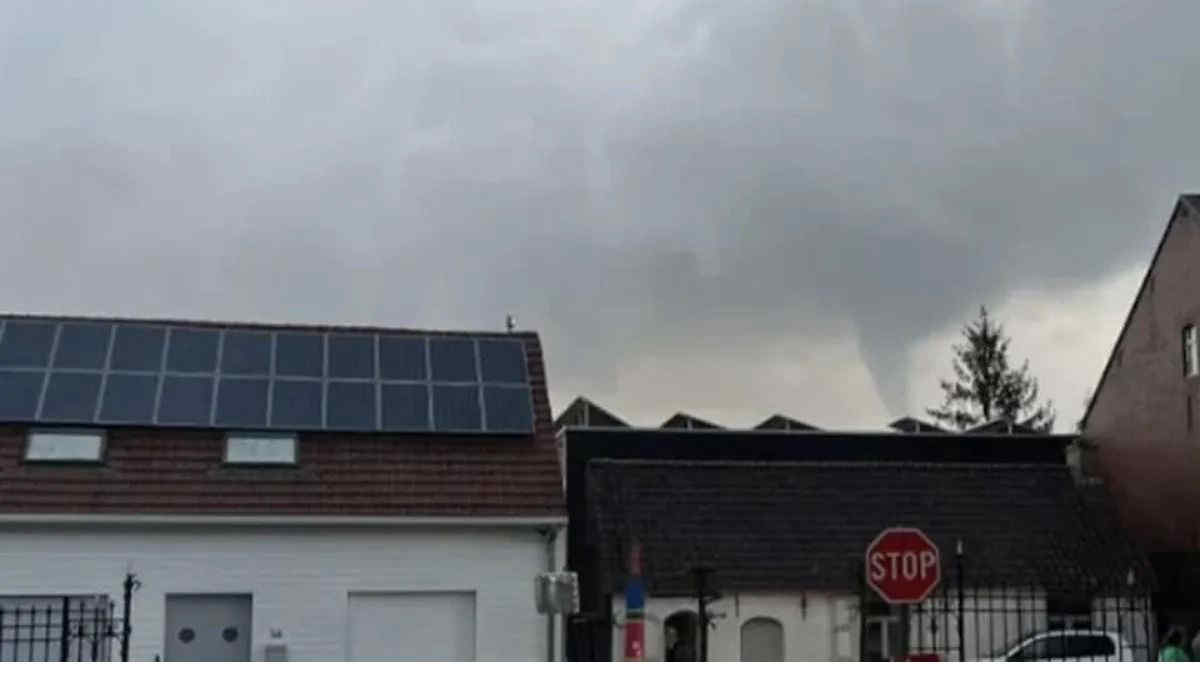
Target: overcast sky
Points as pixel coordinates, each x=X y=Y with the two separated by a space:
x=730 y=208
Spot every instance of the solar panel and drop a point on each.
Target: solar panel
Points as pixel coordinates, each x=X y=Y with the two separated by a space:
x=502 y=360
x=185 y=400
x=246 y=353
x=118 y=372
x=193 y=350
x=351 y=356
x=300 y=354
x=138 y=347
x=26 y=344
x=19 y=392
x=453 y=359
x=456 y=408
x=129 y=398
x=402 y=358
x=350 y=405
x=296 y=404
x=82 y=345
x=71 y=397
x=405 y=407
x=508 y=408
x=241 y=402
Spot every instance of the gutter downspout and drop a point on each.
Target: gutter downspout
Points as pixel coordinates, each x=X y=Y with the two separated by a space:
x=551 y=536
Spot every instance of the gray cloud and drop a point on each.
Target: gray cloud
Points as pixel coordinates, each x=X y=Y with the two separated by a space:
x=671 y=183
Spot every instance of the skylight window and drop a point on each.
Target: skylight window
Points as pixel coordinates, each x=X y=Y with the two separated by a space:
x=260 y=449
x=65 y=446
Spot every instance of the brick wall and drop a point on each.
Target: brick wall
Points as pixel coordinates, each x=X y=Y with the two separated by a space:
x=1138 y=422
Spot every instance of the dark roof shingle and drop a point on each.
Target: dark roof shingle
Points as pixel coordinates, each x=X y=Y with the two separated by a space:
x=769 y=526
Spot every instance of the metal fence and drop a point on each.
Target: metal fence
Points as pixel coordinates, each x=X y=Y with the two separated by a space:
x=974 y=615
x=66 y=627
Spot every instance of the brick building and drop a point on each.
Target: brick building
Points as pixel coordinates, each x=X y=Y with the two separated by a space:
x=1142 y=426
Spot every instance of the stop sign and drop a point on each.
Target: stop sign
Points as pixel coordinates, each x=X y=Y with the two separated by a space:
x=903 y=565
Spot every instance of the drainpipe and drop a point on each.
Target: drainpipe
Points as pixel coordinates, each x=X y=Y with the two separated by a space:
x=551 y=536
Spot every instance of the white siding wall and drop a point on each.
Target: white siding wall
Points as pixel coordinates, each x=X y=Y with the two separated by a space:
x=300 y=577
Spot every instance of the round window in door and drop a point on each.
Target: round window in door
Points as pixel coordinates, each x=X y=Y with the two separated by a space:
x=230 y=634
x=186 y=635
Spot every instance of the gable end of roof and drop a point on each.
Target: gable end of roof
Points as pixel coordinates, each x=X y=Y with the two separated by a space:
x=1184 y=205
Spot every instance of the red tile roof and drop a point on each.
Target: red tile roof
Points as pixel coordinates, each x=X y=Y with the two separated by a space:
x=181 y=471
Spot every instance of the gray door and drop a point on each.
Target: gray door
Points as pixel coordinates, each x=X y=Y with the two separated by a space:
x=762 y=640
x=208 y=627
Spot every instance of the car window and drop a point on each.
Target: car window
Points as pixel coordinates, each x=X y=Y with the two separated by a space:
x=1041 y=649
x=1089 y=646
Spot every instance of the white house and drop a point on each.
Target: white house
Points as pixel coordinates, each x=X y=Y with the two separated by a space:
x=278 y=492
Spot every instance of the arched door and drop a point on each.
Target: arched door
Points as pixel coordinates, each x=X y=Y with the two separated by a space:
x=762 y=640
x=681 y=637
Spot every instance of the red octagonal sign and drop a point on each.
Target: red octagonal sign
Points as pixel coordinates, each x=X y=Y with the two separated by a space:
x=903 y=565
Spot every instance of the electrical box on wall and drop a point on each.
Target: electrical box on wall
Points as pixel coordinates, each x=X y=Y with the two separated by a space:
x=557 y=593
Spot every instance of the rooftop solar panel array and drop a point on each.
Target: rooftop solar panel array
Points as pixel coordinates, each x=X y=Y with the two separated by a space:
x=114 y=372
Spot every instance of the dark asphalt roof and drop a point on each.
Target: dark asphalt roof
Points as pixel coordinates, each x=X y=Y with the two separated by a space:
x=806 y=525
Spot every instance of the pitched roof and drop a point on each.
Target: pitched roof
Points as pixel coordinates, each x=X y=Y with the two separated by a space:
x=582 y=412
x=913 y=425
x=181 y=472
x=151 y=469
x=682 y=420
x=785 y=423
x=1185 y=203
x=772 y=526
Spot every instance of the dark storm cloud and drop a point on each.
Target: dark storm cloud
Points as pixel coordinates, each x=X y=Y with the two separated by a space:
x=670 y=182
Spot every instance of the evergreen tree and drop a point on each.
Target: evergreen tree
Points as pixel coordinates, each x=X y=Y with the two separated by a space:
x=986 y=388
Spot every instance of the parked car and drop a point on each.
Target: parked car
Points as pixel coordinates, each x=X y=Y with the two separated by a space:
x=1068 y=645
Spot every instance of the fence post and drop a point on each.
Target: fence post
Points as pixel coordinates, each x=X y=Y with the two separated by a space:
x=64 y=634
x=126 y=628
x=958 y=563
x=862 y=616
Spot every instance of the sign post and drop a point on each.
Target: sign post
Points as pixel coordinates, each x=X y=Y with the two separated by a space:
x=903 y=565
x=635 y=607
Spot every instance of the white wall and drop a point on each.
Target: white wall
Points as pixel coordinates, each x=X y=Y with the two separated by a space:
x=826 y=627
x=300 y=577
x=816 y=626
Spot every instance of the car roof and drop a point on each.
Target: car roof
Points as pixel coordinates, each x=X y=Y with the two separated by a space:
x=1076 y=631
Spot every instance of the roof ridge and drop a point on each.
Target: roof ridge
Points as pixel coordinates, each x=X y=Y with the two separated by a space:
x=262 y=325
x=720 y=463
x=888 y=433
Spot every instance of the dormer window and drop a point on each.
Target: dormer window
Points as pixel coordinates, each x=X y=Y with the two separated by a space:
x=1191 y=358
x=260 y=449
x=65 y=445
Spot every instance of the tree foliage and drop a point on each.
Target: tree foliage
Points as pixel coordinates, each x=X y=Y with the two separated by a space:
x=985 y=387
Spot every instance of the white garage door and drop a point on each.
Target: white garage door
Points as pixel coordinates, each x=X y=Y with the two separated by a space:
x=412 y=626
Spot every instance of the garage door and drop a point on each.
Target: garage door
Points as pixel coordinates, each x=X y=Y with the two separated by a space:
x=412 y=627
